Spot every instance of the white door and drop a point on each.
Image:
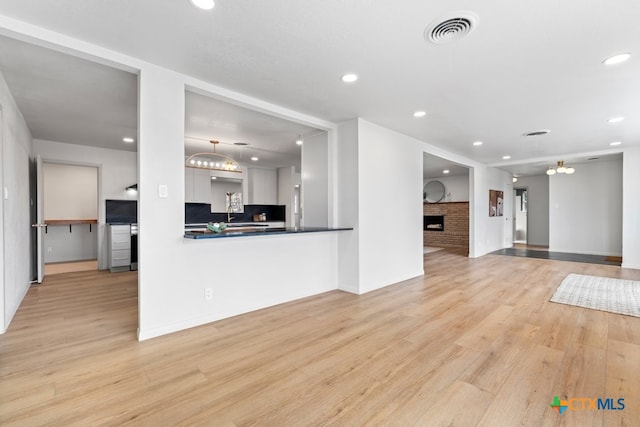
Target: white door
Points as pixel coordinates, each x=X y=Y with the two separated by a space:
x=40 y=224
x=508 y=209
x=515 y=203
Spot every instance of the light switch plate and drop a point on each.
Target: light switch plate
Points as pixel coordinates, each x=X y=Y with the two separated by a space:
x=6 y=193
x=163 y=191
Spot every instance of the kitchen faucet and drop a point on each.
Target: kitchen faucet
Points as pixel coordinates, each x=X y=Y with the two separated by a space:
x=229 y=206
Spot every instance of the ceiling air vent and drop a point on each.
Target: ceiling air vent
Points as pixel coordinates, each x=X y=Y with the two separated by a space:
x=537 y=132
x=452 y=27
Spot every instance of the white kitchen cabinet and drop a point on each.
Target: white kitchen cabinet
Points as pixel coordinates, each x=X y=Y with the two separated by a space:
x=119 y=247
x=263 y=186
x=197 y=185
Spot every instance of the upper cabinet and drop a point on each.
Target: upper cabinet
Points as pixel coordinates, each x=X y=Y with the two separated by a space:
x=262 y=186
x=197 y=186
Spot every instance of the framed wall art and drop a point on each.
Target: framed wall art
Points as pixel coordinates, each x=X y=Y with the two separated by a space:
x=496 y=203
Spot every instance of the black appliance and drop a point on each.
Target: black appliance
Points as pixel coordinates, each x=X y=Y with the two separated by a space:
x=121 y=211
x=134 y=246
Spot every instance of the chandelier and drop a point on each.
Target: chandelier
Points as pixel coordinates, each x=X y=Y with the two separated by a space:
x=212 y=161
x=561 y=168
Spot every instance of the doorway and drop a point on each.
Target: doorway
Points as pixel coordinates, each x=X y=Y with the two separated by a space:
x=520 y=223
x=446 y=201
x=70 y=206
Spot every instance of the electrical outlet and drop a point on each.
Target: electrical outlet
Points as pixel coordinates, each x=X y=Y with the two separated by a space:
x=49 y=249
x=208 y=294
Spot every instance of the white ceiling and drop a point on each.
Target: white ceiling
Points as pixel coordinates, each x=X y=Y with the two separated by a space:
x=68 y=99
x=433 y=167
x=271 y=139
x=527 y=65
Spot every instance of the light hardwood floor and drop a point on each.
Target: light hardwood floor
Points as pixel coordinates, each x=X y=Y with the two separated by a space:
x=70 y=267
x=476 y=342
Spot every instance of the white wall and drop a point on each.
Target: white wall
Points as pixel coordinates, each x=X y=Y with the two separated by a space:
x=16 y=152
x=456 y=188
x=64 y=245
x=382 y=202
x=315 y=181
x=286 y=193
x=70 y=191
x=371 y=190
x=631 y=209
x=389 y=193
x=244 y=273
x=585 y=210
x=488 y=234
x=538 y=208
x=116 y=171
x=347 y=172
x=2 y=187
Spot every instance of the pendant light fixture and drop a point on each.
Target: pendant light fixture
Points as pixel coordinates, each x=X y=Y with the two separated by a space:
x=212 y=161
x=560 y=168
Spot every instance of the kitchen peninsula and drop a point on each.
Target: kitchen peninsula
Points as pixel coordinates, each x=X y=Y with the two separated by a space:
x=197 y=215
x=256 y=230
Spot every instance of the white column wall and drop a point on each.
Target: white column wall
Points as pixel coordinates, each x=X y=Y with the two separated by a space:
x=488 y=234
x=315 y=181
x=347 y=195
x=631 y=208
x=245 y=274
x=390 y=206
x=162 y=278
x=16 y=152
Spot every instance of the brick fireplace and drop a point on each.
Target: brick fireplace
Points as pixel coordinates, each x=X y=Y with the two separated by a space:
x=446 y=224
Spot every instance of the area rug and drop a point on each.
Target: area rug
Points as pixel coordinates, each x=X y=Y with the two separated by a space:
x=600 y=293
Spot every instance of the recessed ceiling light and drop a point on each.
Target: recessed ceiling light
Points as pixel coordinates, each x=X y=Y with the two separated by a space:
x=617 y=59
x=299 y=141
x=214 y=177
x=419 y=114
x=613 y=144
x=515 y=179
x=128 y=139
x=615 y=119
x=349 y=78
x=255 y=159
x=203 y=4
x=445 y=171
x=478 y=143
x=506 y=157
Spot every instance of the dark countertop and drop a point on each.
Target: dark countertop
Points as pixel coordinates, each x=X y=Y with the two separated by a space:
x=262 y=231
